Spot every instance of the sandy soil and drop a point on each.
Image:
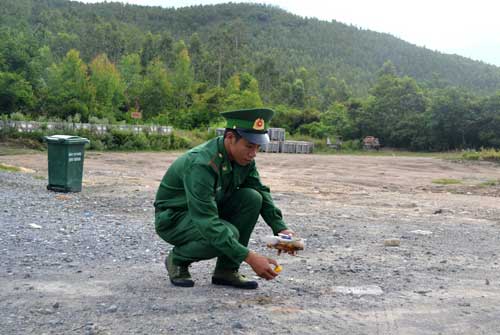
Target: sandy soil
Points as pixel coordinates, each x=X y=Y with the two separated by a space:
x=443 y=278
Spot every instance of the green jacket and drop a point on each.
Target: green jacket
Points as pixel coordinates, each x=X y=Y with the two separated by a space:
x=199 y=181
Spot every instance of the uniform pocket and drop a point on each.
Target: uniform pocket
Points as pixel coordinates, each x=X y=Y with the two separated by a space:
x=164 y=220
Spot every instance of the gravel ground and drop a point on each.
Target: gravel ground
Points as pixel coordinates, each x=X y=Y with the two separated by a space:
x=91 y=263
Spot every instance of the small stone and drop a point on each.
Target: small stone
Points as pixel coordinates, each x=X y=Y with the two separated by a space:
x=35 y=226
x=422 y=292
x=392 y=242
x=421 y=232
x=359 y=290
x=237 y=325
x=56 y=305
x=45 y=311
x=112 y=309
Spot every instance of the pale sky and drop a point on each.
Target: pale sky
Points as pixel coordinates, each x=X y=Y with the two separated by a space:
x=467 y=28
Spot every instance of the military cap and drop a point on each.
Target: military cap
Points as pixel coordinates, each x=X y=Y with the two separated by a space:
x=251 y=124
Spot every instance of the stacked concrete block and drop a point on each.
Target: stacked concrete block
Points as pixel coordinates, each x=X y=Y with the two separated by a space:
x=276 y=134
x=289 y=147
x=304 y=147
x=297 y=147
x=273 y=146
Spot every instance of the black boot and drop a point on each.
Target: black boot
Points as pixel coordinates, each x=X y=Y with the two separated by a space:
x=233 y=278
x=179 y=274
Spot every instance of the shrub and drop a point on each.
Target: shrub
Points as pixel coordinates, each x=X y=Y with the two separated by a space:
x=484 y=154
x=352 y=145
x=471 y=155
x=136 y=142
x=490 y=155
x=18 y=116
x=96 y=144
x=159 y=142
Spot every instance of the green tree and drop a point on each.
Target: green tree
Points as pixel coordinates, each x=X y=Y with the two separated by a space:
x=149 y=50
x=292 y=119
x=298 y=94
x=205 y=110
x=16 y=51
x=198 y=57
x=16 y=94
x=453 y=119
x=166 y=49
x=489 y=122
x=337 y=119
x=63 y=42
x=131 y=71
x=69 y=89
x=157 y=96
x=39 y=76
x=108 y=85
x=335 y=91
x=183 y=78
x=268 y=76
x=242 y=92
x=392 y=111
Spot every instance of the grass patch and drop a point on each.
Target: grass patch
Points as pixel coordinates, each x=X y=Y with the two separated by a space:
x=488 y=183
x=446 y=181
x=19 y=147
x=10 y=168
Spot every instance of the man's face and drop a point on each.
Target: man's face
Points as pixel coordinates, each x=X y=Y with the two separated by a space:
x=242 y=151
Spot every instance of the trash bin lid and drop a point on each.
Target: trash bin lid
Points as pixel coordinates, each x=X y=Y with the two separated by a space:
x=66 y=139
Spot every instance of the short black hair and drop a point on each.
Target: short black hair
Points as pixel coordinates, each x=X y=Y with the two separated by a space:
x=230 y=130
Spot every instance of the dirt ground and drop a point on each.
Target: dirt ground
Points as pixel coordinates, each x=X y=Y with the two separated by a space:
x=443 y=278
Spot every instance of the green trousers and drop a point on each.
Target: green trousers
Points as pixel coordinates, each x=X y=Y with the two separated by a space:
x=240 y=213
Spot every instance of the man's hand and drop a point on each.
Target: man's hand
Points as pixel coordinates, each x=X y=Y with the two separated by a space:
x=261 y=265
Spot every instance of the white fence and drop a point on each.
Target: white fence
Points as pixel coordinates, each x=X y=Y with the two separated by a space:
x=31 y=126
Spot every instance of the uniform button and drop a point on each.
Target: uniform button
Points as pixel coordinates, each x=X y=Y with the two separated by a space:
x=220 y=155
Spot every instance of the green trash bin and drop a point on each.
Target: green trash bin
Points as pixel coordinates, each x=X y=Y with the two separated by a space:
x=65 y=156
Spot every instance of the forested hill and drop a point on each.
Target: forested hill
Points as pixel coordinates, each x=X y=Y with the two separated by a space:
x=223 y=39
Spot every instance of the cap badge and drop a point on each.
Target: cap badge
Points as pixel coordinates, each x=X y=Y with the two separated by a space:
x=258 y=124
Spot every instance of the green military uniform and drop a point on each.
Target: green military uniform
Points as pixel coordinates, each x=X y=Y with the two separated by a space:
x=207 y=206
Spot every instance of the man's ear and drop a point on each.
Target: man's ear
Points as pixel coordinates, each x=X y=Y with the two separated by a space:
x=231 y=137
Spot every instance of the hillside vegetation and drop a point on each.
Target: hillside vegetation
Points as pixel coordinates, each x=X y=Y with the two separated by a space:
x=102 y=62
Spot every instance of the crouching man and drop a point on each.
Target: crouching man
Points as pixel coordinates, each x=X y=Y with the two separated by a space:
x=209 y=201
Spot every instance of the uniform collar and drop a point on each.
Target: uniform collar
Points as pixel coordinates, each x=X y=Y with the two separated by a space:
x=225 y=164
